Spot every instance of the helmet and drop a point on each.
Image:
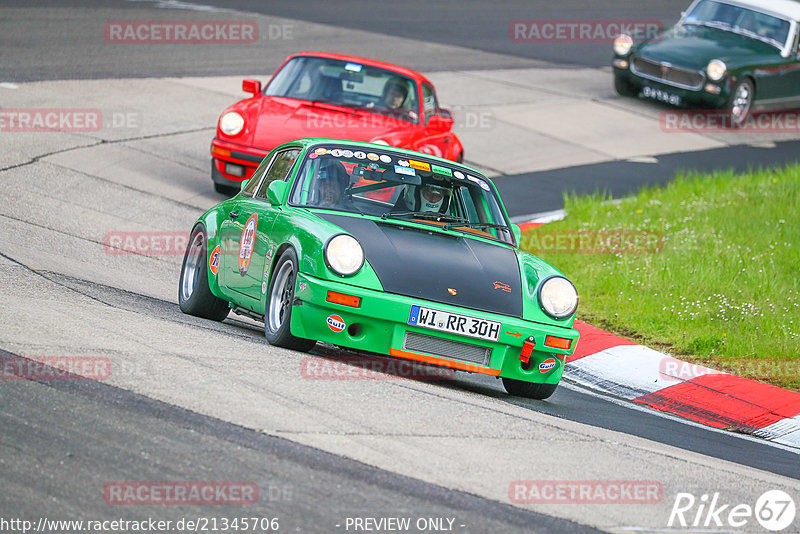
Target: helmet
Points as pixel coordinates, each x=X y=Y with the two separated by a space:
x=330 y=169
x=395 y=85
x=427 y=198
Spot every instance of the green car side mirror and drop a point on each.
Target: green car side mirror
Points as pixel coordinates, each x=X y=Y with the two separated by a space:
x=517 y=231
x=276 y=192
x=243 y=184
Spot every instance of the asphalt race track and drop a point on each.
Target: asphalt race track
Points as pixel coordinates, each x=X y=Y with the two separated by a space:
x=193 y=400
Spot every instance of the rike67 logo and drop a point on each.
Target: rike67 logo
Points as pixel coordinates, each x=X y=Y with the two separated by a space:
x=774 y=510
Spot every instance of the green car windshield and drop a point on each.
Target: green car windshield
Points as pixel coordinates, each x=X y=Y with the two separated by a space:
x=349 y=84
x=741 y=20
x=393 y=186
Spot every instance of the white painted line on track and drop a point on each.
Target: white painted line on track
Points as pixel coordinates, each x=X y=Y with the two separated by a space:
x=9 y=85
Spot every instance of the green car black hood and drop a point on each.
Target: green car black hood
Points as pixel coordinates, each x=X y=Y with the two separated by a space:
x=692 y=46
x=431 y=265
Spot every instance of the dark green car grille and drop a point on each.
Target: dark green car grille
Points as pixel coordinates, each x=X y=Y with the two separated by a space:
x=668 y=74
x=455 y=350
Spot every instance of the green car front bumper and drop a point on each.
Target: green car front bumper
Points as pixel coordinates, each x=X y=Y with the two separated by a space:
x=380 y=324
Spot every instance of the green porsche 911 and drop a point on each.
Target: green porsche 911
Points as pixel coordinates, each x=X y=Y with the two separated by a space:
x=384 y=250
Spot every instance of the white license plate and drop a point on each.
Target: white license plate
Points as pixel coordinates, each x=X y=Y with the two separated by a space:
x=661 y=96
x=454 y=323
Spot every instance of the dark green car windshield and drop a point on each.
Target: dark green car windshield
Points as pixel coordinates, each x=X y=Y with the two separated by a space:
x=741 y=20
x=384 y=184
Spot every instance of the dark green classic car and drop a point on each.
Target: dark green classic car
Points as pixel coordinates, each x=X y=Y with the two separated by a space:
x=733 y=55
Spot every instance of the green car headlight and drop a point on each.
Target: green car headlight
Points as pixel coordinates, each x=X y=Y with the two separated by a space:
x=558 y=297
x=623 y=44
x=344 y=255
x=716 y=69
x=231 y=123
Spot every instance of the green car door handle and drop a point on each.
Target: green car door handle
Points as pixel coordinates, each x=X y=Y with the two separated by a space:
x=234 y=215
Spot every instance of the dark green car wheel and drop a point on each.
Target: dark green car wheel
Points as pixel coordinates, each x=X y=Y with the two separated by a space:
x=741 y=102
x=280 y=299
x=518 y=388
x=194 y=295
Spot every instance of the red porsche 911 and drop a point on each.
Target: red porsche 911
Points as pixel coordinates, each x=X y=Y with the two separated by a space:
x=330 y=95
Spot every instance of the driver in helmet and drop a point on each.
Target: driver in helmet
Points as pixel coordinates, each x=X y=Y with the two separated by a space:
x=427 y=198
x=332 y=180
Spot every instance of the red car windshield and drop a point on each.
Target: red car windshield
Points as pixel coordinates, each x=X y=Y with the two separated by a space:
x=392 y=186
x=349 y=84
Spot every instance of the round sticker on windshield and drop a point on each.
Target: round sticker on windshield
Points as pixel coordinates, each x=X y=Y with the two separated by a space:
x=473 y=179
x=458 y=174
x=484 y=185
x=359 y=155
x=321 y=151
x=386 y=159
x=347 y=153
x=402 y=163
x=336 y=153
x=313 y=155
x=372 y=156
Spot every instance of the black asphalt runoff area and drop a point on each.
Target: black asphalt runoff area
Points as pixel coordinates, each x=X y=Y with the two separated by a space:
x=536 y=192
x=64 y=441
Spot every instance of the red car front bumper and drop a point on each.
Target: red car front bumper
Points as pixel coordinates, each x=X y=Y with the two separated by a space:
x=232 y=163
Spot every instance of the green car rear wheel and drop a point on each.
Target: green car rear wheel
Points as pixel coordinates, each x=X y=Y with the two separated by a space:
x=194 y=296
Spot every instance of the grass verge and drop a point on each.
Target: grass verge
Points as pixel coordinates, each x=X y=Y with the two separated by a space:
x=707 y=268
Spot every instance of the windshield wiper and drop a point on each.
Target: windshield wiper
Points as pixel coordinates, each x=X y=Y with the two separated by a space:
x=475 y=225
x=438 y=217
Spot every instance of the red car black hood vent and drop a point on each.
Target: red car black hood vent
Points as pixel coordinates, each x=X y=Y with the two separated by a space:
x=447 y=268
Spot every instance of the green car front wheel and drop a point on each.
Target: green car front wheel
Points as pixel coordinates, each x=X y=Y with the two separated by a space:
x=280 y=299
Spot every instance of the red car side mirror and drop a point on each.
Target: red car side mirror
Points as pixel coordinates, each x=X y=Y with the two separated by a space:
x=440 y=123
x=251 y=86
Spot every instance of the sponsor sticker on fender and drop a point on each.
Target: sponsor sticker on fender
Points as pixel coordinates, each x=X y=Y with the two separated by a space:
x=246 y=243
x=213 y=261
x=547 y=365
x=336 y=323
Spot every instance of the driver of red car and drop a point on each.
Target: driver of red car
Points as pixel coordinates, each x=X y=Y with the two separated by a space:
x=394 y=93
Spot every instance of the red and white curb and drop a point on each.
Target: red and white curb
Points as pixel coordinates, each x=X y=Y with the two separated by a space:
x=616 y=366
x=619 y=367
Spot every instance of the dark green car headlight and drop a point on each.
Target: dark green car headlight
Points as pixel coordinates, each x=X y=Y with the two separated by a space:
x=716 y=69
x=623 y=44
x=558 y=297
x=344 y=255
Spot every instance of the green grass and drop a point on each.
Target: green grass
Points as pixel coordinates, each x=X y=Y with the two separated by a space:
x=724 y=289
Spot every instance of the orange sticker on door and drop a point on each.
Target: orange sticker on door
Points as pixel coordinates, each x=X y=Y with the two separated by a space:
x=246 y=243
